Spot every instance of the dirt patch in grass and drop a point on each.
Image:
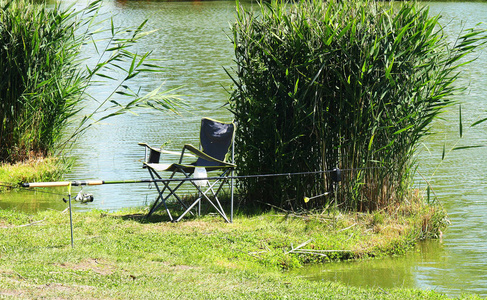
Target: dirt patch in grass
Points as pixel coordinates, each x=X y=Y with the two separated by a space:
x=93 y=264
x=10 y=293
x=25 y=290
x=58 y=291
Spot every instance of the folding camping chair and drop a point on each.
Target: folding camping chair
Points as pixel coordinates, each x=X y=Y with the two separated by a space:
x=217 y=146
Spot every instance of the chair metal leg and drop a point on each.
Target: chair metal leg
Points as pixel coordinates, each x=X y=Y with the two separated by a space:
x=172 y=192
x=214 y=188
x=218 y=208
x=161 y=196
x=231 y=195
x=215 y=195
x=199 y=205
x=188 y=209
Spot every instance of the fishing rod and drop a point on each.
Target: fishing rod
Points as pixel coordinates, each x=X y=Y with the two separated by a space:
x=336 y=176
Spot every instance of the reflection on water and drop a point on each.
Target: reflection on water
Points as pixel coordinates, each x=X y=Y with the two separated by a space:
x=389 y=272
x=460 y=179
x=33 y=201
x=192 y=43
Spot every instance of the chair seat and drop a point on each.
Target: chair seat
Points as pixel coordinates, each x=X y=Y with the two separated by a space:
x=161 y=167
x=189 y=169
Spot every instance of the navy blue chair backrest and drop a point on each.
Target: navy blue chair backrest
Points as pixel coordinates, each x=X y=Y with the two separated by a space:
x=216 y=139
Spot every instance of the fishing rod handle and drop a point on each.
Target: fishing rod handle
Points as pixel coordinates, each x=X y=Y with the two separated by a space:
x=62 y=183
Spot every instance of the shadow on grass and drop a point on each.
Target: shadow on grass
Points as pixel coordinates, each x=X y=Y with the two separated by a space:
x=176 y=209
x=247 y=209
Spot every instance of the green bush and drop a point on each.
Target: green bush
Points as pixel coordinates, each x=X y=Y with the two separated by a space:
x=345 y=84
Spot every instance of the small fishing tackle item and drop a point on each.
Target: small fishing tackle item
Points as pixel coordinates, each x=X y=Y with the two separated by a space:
x=84 y=198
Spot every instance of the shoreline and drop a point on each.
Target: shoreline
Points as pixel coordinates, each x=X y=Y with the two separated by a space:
x=124 y=255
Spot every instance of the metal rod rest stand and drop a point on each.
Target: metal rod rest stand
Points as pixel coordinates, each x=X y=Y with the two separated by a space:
x=71 y=219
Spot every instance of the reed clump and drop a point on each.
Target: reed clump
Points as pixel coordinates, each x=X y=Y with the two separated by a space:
x=46 y=75
x=36 y=85
x=347 y=84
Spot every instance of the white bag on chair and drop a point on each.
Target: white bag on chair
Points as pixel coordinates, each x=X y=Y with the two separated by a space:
x=200 y=173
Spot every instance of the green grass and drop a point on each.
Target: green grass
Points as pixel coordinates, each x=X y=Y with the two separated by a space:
x=125 y=256
x=39 y=169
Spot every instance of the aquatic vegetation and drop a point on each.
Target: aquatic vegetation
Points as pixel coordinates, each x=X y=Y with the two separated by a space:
x=347 y=84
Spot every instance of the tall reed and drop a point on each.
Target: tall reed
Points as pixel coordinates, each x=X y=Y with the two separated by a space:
x=45 y=78
x=36 y=63
x=348 y=84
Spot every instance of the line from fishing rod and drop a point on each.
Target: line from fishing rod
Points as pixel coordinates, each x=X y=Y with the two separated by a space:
x=336 y=170
x=100 y=182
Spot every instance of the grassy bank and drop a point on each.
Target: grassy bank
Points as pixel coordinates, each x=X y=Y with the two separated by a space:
x=38 y=169
x=125 y=256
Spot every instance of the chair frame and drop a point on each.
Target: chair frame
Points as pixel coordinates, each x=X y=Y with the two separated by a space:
x=215 y=184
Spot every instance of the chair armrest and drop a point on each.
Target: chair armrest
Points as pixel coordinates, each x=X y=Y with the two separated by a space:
x=205 y=156
x=151 y=148
x=154 y=153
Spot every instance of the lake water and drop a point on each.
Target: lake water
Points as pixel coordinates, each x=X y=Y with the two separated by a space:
x=192 y=41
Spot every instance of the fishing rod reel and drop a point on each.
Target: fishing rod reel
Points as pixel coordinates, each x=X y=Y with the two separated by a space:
x=82 y=197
